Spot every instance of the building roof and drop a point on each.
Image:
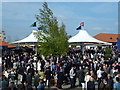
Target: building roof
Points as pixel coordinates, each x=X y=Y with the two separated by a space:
x=2 y=43
x=107 y=37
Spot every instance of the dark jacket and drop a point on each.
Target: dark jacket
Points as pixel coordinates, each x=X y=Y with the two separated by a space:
x=110 y=81
x=29 y=87
x=48 y=74
x=21 y=70
x=31 y=70
x=24 y=78
x=90 y=85
x=36 y=80
x=104 y=87
x=29 y=79
x=104 y=75
x=5 y=84
x=60 y=79
x=80 y=75
x=9 y=88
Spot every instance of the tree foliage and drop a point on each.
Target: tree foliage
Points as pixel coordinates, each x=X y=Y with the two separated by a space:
x=54 y=37
x=108 y=51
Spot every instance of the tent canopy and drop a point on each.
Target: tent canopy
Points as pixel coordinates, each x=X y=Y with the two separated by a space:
x=81 y=37
x=29 y=38
x=84 y=37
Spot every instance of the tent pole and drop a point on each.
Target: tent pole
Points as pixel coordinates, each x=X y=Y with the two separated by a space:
x=82 y=48
x=36 y=49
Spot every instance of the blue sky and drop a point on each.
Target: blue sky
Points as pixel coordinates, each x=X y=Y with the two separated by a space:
x=99 y=17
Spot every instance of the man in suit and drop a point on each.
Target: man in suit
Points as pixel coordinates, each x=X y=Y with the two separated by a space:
x=91 y=84
x=36 y=79
x=48 y=76
x=4 y=83
x=29 y=78
x=27 y=86
x=60 y=77
x=80 y=75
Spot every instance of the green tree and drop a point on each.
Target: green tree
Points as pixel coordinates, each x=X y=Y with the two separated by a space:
x=54 y=37
x=108 y=52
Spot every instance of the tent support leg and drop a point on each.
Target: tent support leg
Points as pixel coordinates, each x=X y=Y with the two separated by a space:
x=82 y=48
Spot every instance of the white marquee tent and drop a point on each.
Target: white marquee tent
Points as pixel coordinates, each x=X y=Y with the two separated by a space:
x=29 y=39
x=84 y=37
x=81 y=37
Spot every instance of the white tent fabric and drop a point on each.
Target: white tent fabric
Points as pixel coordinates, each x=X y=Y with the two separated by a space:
x=30 y=38
x=84 y=37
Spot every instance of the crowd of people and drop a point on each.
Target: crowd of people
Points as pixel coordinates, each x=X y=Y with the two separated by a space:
x=92 y=70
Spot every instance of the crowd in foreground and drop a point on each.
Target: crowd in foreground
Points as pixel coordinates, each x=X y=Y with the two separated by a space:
x=25 y=71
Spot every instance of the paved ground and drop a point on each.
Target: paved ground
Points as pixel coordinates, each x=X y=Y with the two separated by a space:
x=67 y=87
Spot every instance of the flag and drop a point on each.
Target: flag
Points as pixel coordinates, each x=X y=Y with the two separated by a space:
x=81 y=24
x=33 y=25
x=78 y=28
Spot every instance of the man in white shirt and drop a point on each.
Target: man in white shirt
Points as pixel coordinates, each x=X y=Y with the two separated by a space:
x=99 y=75
x=72 y=74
